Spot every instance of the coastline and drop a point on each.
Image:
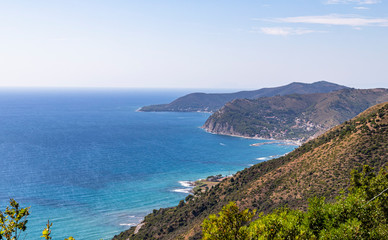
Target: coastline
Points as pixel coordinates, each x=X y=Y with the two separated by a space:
x=274 y=141
x=193 y=187
x=297 y=142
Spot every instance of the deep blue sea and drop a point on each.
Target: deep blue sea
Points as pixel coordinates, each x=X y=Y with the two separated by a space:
x=93 y=166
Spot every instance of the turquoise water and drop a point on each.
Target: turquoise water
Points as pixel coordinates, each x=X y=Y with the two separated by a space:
x=86 y=160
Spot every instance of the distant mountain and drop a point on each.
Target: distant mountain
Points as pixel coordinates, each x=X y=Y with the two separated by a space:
x=210 y=102
x=320 y=167
x=295 y=116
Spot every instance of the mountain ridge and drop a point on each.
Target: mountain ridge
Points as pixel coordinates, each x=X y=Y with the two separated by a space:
x=210 y=102
x=293 y=117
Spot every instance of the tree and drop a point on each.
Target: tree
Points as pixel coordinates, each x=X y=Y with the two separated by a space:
x=13 y=221
x=361 y=214
x=228 y=225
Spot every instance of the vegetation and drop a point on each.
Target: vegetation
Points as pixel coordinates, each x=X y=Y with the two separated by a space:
x=211 y=102
x=280 y=188
x=14 y=221
x=320 y=167
x=228 y=225
x=293 y=116
x=362 y=214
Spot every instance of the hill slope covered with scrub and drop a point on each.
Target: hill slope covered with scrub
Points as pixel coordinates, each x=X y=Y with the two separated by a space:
x=320 y=167
x=296 y=116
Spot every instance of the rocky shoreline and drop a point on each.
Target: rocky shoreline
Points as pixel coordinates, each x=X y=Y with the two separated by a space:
x=296 y=142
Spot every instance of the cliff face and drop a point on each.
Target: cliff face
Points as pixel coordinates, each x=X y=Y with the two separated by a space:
x=210 y=102
x=320 y=167
x=296 y=116
x=222 y=128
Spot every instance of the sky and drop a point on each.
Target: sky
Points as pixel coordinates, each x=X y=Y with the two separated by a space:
x=214 y=44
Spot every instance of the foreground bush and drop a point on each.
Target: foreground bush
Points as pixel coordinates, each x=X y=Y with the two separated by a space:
x=14 y=221
x=360 y=214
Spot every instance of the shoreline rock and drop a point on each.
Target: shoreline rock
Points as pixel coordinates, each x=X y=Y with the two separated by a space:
x=296 y=142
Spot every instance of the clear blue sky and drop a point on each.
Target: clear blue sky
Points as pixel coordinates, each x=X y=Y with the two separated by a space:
x=193 y=44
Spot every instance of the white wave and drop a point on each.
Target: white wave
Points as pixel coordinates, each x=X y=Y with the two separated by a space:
x=262 y=158
x=187 y=184
x=128 y=224
x=222 y=144
x=182 y=190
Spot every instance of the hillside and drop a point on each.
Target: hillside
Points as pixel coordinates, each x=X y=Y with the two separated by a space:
x=296 y=116
x=210 y=102
x=320 y=167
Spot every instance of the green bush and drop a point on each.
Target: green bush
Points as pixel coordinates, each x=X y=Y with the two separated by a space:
x=361 y=214
x=228 y=225
x=14 y=221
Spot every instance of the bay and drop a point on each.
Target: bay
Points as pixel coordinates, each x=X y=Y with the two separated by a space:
x=90 y=163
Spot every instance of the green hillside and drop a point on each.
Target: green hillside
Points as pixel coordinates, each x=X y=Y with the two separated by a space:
x=296 y=116
x=360 y=212
x=210 y=102
x=320 y=167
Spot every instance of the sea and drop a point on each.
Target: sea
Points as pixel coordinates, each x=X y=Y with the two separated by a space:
x=91 y=164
